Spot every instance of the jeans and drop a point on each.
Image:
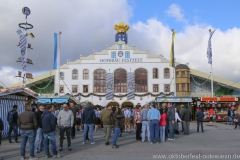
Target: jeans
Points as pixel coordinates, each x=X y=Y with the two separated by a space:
x=166 y=130
x=154 y=130
x=50 y=137
x=107 y=132
x=182 y=127
x=199 y=121
x=171 y=129
x=30 y=136
x=162 y=133
x=115 y=137
x=13 y=127
x=0 y=137
x=73 y=130
x=39 y=140
x=186 y=127
x=62 y=131
x=145 y=127
x=90 y=127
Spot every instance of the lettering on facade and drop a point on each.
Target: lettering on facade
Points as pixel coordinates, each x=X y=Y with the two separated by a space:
x=118 y=60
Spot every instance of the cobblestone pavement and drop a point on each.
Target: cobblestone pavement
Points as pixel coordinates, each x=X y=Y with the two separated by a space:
x=219 y=141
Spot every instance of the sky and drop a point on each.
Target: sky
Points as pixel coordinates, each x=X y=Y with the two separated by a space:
x=87 y=25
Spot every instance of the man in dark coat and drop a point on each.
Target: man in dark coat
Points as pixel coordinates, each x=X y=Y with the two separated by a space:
x=48 y=129
x=200 y=116
x=186 y=118
x=88 y=119
x=1 y=129
x=12 y=119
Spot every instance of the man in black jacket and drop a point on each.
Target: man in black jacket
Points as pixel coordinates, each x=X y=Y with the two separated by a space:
x=186 y=118
x=200 y=116
x=1 y=129
x=88 y=119
x=12 y=119
x=39 y=139
x=48 y=129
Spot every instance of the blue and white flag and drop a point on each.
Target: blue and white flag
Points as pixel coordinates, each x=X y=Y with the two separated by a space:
x=23 y=44
x=109 y=86
x=56 y=62
x=131 y=86
x=209 y=49
x=19 y=32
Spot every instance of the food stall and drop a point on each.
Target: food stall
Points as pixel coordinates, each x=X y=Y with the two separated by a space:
x=219 y=105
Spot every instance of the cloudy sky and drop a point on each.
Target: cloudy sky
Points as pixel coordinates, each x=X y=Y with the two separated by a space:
x=87 y=25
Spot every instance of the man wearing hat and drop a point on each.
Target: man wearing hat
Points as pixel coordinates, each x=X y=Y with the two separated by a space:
x=12 y=119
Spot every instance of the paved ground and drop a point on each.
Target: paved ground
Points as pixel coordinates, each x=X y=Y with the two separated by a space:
x=219 y=141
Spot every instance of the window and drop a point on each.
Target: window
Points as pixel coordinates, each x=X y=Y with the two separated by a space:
x=75 y=74
x=155 y=73
x=166 y=73
x=166 y=87
x=85 y=74
x=177 y=87
x=62 y=75
x=61 y=89
x=85 y=88
x=127 y=54
x=113 y=54
x=120 y=46
x=99 y=81
x=177 y=74
x=141 y=83
x=74 y=89
x=194 y=89
x=183 y=73
x=155 y=87
x=120 y=80
x=183 y=87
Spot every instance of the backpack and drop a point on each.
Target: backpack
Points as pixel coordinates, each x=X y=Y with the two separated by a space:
x=10 y=117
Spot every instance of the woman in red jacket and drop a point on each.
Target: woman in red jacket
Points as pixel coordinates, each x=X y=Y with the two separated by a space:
x=137 y=119
x=211 y=113
x=162 y=124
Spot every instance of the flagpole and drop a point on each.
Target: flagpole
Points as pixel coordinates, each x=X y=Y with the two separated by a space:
x=25 y=57
x=59 y=63
x=211 y=80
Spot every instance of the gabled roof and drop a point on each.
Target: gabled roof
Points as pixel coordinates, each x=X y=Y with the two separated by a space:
x=18 y=91
x=221 y=81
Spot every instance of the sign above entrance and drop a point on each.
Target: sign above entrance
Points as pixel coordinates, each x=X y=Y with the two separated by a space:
x=221 y=99
x=122 y=60
x=174 y=99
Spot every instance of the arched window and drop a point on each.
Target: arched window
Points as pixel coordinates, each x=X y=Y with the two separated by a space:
x=85 y=74
x=99 y=81
x=75 y=74
x=62 y=75
x=120 y=80
x=155 y=73
x=141 y=84
x=166 y=73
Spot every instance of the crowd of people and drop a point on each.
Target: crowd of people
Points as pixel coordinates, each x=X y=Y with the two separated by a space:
x=149 y=123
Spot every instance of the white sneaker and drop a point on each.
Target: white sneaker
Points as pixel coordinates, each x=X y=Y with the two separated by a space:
x=33 y=158
x=92 y=142
x=83 y=142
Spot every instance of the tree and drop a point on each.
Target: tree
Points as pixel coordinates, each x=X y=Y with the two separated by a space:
x=1 y=87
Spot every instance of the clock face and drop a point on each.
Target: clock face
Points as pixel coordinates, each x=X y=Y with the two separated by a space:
x=120 y=53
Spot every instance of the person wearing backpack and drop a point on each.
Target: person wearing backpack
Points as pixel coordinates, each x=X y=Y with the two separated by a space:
x=12 y=119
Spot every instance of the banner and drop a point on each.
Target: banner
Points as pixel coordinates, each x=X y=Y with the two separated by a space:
x=172 y=61
x=209 y=49
x=131 y=86
x=56 y=62
x=109 y=86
